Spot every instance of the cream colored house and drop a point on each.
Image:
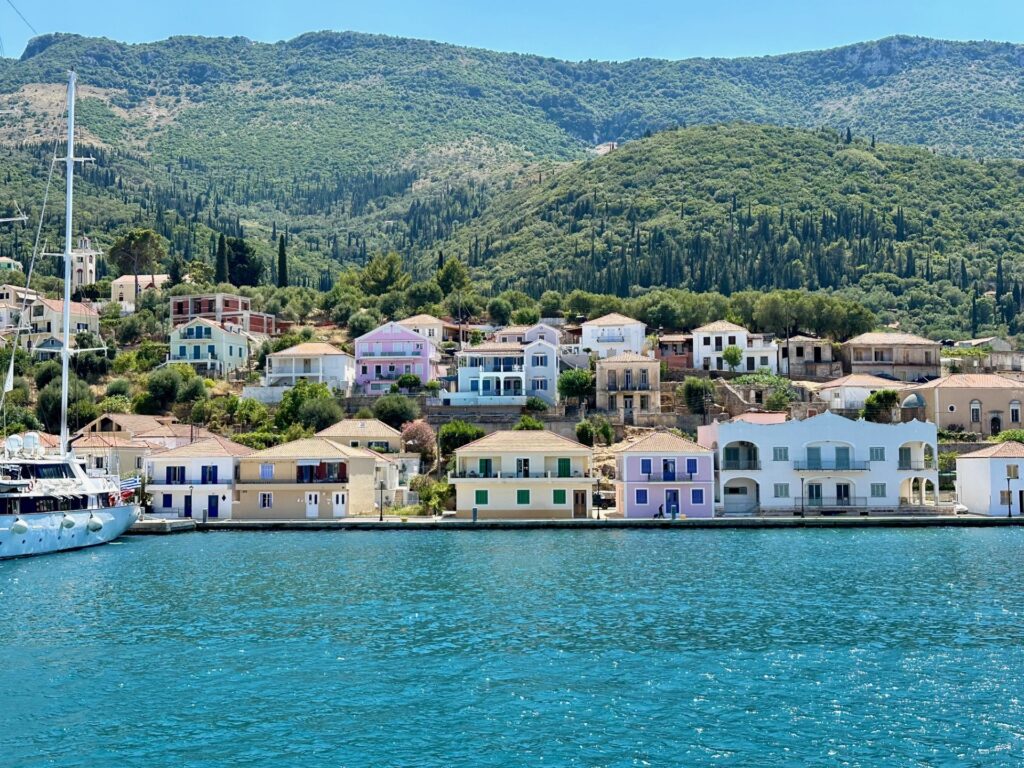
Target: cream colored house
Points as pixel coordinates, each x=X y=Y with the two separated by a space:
x=902 y=355
x=212 y=349
x=528 y=474
x=976 y=402
x=365 y=433
x=117 y=454
x=45 y=320
x=122 y=289
x=629 y=382
x=432 y=328
x=195 y=480
x=313 y=478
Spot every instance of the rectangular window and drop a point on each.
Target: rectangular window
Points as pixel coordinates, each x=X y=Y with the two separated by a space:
x=781 y=490
x=645 y=466
x=780 y=453
x=641 y=495
x=540 y=361
x=266 y=471
x=764 y=362
x=878 y=490
x=876 y=454
x=167 y=501
x=696 y=496
x=1015 y=413
x=480 y=497
x=558 y=496
x=1012 y=471
x=522 y=497
x=691 y=466
x=266 y=501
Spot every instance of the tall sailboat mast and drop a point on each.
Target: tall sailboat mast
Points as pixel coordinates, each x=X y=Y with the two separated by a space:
x=65 y=347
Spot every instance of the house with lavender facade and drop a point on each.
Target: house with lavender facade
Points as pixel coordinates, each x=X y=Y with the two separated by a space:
x=663 y=473
x=389 y=351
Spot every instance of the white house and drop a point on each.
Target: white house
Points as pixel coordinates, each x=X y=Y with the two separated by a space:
x=826 y=464
x=710 y=341
x=122 y=289
x=195 y=480
x=990 y=482
x=212 y=349
x=496 y=373
x=312 y=361
x=850 y=392
x=431 y=328
x=613 y=334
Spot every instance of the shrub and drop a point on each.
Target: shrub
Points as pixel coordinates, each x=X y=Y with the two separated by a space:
x=585 y=432
x=697 y=393
x=409 y=381
x=320 y=413
x=418 y=436
x=115 y=404
x=396 y=410
x=363 y=413
x=535 y=404
x=119 y=387
x=879 y=405
x=456 y=434
x=46 y=373
x=527 y=422
x=603 y=429
x=192 y=390
x=164 y=385
x=526 y=316
x=1010 y=435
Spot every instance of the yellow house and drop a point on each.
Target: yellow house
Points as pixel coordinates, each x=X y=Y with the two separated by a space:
x=365 y=433
x=313 y=478
x=524 y=474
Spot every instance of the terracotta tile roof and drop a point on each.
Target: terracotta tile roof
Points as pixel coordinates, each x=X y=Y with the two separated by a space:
x=720 y=326
x=513 y=329
x=1008 y=450
x=77 y=307
x=133 y=422
x=215 y=446
x=805 y=338
x=115 y=440
x=523 y=440
x=613 y=318
x=426 y=320
x=676 y=337
x=660 y=441
x=972 y=381
x=359 y=428
x=146 y=279
x=863 y=380
x=627 y=357
x=313 y=448
x=881 y=337
x=312 y=348
x=494 y=346
x=177 y=430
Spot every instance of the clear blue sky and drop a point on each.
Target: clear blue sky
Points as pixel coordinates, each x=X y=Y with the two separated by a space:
x=569 y=29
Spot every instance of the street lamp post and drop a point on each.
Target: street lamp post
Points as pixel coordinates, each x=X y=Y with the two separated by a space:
x=802 y=481
x=1009 y=498
x=191 y=501
x=381 y=488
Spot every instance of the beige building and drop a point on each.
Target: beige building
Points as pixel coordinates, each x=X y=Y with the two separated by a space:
x=629 y=382
x=122 y=289
x=809 y=357
x=976 y=402
x=526 y=475
x=313 y=478
x=432 y=328
x=365 y=433
x=903 y=355
x=116 y=454
x=45 y=318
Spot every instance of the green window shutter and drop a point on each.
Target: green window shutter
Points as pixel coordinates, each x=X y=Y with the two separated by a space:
x=564 y=466
x=522 y=497
x=480 y=497
x=558 y=496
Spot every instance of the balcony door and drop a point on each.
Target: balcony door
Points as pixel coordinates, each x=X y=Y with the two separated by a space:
x=842 y=457
x=814 y=494
x=668 y=469
x=842 y=494
x=522 y=467
x=814 y=459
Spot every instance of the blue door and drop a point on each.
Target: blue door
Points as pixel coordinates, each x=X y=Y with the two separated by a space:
x=211 y=506
x=671 y=501
x=188 y=506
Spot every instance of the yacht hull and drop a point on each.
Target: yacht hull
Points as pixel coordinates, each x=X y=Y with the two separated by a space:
x=49 y=532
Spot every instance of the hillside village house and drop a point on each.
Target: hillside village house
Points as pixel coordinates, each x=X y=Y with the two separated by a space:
x=45 y=320
x=7 y=264
x=612 y=334
x=759 y=351
x=663 y=474
x=212 y=349
x=389 y=351
x=809 y=357
x=312 y=361
x=850 y=392
x=224 y=309
x=10 y=314
x=116 y=454
x=313 y=478
x=989 y=481
x=975 y=402
x=164 y=431
x=676 y=350
x=122 y=289
x=826 y=464
x=364 y=433
x=628 y=382
x=497 y=373
x=524 y=474
x=903 y=356
x=18 y=294
x=431 y=328
x=195 y=480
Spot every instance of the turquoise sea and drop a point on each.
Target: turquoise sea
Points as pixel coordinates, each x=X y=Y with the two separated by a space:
x=609 y=648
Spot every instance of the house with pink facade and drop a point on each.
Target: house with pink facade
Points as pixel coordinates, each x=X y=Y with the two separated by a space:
x=389 y=351
x=663 y=473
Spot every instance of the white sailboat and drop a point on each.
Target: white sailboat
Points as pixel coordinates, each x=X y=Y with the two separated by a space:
x=48 y=502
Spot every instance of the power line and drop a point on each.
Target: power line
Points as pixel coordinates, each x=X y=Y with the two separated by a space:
x=22 y=17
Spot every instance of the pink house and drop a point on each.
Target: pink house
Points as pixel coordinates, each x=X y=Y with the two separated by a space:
x=662 y=473
x=387 y=352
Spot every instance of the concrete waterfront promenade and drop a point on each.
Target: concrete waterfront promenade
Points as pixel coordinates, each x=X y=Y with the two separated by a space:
x=165 y=527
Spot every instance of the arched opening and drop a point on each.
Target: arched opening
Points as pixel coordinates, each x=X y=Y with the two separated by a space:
x=740 y=455
x=996 y=425
x=741 y=496
x=976 y=411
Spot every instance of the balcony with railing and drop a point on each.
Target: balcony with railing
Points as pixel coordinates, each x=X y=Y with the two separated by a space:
x=613 y=337
x=741 y=464
x=907 y=466
x=831 y=502
x=395 y=353
x=495 y=475
x=821 y=465
x=667 y=477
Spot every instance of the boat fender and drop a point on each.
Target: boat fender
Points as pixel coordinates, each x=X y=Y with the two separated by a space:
x=94 y=523
x=67 y=521
x=19 y=526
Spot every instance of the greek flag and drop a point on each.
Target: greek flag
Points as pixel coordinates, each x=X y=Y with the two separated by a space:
x=130 y=484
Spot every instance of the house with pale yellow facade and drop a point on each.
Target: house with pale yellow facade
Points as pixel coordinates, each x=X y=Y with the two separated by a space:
x=365 y=433
x=524 y=474
x=974 y=402
x=901 y=355
x=432 y=328
x=313 y=478
x=628 y=382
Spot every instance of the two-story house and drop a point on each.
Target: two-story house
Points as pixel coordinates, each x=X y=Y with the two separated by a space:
x=528 y=474
x=758 y=350
x=661 y=475
x=123 y=288
x=195 y=480
x=628 y=382
x=7 y=264
x=389 y=351
x=212 y=349
x=903 y=356
x=989 y=481
x=364 y=433
x=850 y=393
x=431 y=328
x=310 y=361
x=506 y=373
x=223 y=309
x=45 y=321
x=825 y=464
x=975 y=402
x=676 y=350
x=313 y=478
x=612 y=334
x=809 y=357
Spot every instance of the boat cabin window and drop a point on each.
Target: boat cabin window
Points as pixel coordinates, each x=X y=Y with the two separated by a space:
x=47 y=471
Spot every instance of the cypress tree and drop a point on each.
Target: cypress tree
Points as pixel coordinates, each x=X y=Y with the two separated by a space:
x=220 y=270
x=282 y=264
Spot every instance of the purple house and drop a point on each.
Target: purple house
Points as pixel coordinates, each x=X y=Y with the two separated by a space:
x=387 y=352
x=662 y=473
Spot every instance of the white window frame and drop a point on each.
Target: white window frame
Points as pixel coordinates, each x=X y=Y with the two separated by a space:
x=636 y=496
x=876 y=453
x=878 y=491
x=780 y=453
x=781 y=490
x=266 y=471
x=266 y=500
